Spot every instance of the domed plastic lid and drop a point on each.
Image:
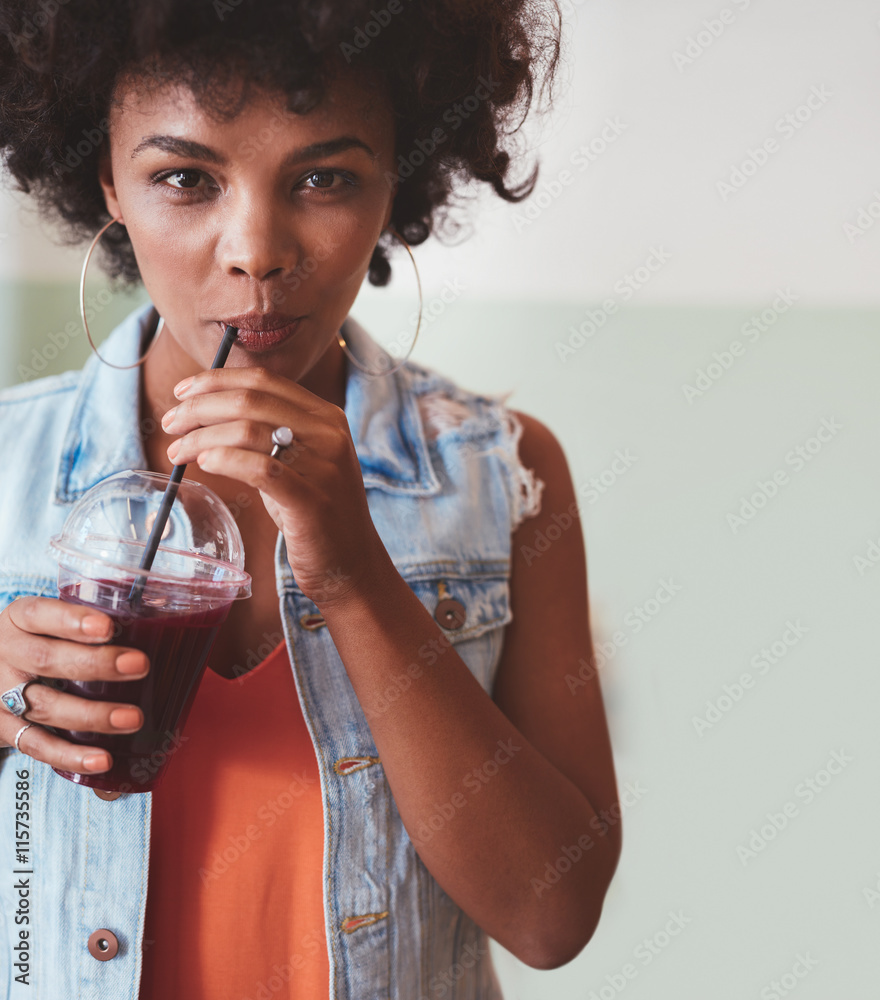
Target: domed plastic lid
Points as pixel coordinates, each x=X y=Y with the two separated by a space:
x=106 y=532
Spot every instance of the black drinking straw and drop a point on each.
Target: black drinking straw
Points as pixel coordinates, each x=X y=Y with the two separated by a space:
x=177 y=472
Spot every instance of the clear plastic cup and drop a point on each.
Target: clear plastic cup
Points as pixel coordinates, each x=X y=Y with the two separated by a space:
x=196 y=575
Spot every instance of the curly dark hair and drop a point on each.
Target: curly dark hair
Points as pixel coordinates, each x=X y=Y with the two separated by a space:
x=461 y=74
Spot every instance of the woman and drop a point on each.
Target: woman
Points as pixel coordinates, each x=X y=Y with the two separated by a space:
x=418 y=757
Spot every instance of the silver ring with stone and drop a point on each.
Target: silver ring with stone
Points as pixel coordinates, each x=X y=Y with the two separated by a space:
x=19 y=734
x=14 y=700
x=282 y=437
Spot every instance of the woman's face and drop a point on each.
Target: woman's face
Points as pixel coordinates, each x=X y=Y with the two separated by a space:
x=271 y=213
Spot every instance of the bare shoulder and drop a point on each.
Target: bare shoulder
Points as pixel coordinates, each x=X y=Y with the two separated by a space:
x=541 y=453
x=538 y=447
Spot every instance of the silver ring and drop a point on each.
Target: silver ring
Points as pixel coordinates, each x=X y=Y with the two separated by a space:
x=14 y=700
x=282 y=437
x=18 y=735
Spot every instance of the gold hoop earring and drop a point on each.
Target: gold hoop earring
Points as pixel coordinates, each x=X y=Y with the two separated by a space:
x=403 y=361
x=82 y=305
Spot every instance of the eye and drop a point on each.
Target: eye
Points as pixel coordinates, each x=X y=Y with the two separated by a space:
x=186 y=180
x=325 y=180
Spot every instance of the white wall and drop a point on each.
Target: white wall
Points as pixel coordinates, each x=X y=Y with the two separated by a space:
x=655 y=184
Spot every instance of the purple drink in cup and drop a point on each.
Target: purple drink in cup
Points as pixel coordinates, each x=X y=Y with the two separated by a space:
x=196 y=575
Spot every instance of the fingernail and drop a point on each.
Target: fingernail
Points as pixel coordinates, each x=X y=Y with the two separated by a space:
x=169 y=416
x=131 y=663
x=173 y=449
x=125 y=718
x=94 y=625
x=181 y=388
x=96 y=762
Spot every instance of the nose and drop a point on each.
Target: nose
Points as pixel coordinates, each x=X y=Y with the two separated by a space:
x=257 y=242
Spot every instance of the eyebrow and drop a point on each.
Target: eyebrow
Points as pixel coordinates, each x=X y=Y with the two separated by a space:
x=178 y=146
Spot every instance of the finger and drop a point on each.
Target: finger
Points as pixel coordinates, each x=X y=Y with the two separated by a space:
x=269 y=475
x=47 y=657
x=67 y=711
x=245 y=434
x=52 y=616
x=244 y=403
x=44 y=746
x=219 y=379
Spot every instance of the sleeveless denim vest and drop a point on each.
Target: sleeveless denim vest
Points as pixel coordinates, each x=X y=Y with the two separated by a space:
x=446 y=491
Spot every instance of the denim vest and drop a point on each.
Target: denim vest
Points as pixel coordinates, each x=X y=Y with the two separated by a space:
x=445 y=490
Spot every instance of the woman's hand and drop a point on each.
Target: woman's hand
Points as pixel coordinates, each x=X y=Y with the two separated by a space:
x=47 y=637
x=313 y=491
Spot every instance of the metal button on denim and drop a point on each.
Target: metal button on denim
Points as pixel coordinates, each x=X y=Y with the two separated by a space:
x=103 y=944
x=107 y=796
x=450 y=613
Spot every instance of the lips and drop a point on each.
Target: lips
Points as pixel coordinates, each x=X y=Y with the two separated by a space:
x=258 y=322
x=261 y=331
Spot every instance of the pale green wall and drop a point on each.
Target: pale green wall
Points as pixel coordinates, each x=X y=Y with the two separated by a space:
x=35 y=315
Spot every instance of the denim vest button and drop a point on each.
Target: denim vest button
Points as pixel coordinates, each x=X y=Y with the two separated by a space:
x=106 y=796
x=450 y=613
x=103 y=944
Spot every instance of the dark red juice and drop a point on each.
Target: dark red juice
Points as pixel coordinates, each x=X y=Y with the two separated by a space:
x=177 y=644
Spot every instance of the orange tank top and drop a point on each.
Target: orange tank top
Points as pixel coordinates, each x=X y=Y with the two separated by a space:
x=235 y=904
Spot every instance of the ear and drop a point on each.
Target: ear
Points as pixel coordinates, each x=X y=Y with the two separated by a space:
x=105 y=179
x=390 y=210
